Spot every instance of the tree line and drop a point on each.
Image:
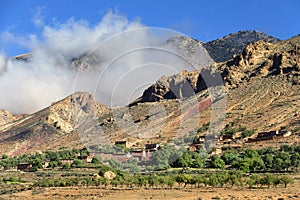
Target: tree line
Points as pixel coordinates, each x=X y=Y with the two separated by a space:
x=221 y=179
x=286 y=158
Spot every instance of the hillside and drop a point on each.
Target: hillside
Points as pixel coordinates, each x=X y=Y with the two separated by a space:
x=224 y=48
x=50 y=127
x=262 y=91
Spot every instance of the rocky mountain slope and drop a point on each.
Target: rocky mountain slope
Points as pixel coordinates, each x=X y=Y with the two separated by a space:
x=258 y=60
x=233 y=44
x=6 y=117
x=50 y=128
x=262 y=91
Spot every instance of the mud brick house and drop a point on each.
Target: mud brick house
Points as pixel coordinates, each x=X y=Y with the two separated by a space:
x=24 y=166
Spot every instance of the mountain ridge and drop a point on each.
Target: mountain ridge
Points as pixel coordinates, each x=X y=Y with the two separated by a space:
x=263 y=77
x=225 y=48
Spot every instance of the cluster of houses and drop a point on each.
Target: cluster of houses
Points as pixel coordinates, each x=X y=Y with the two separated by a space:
x=27 y=166
x=144 y=154
x=227 y=140
x=139 y=154
x=270 y=135
x=217 y=141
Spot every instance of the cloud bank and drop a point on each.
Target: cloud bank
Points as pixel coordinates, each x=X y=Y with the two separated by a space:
x=121 y=59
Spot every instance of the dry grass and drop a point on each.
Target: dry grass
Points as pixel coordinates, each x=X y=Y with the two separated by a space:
x=291 y=192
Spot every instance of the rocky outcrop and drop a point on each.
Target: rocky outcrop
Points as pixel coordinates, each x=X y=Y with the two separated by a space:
x=233 y=44
x=262 y=59
x=6 y=117
x=178 y=86
x=66 y=114
x=109 y=175
x=182 y=85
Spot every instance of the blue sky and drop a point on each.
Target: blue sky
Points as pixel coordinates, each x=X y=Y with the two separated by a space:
x=204 y=20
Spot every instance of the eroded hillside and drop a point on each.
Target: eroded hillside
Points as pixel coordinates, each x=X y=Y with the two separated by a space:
x=262 y=91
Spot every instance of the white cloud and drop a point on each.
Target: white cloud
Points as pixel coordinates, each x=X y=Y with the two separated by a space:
x=2 y=63
x=26 y=87
x=38 y=18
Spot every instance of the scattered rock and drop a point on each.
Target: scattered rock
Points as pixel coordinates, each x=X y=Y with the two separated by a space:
x=109 y=175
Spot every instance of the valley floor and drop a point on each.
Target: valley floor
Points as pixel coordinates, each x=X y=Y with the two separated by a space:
x=59 y=193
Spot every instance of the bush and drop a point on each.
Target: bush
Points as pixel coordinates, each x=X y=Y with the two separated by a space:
x=103 y=169
x=33 y=169
x=247 y=133
x=96 y=160
x=77 y=163
x=66 y=166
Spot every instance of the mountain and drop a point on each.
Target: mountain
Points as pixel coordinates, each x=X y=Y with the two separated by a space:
x=262 y=92
x=233 y=44
x=50 y=127
x=258 y=60
x=220 y=50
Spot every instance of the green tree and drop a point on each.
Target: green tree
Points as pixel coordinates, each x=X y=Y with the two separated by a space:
x=66 y=166
x=286 y=180
x=268 y=160
x=257 y=164
x=77 y=163
x=38 y=163
x=278 y=164
x=201 y=180
x=184 y=161
x=217 y=162
x=142 y=181
x=235 y=178
x=115 y=182
x=247 y=133
x=170 y=181
x=198 y=162
x=229 y=156
x=251 y=153
x=223 y=178
x=53 y=164
x=96 y=160
x=162 y=158
x=52 y=156
x=33 y=169
x=103 y=169
x=285 y=157
x=295 y=160
x=213 y=180
x=267 y=180
x=153 y=180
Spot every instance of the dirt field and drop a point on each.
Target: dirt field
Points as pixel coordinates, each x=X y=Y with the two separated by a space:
x=291 y=192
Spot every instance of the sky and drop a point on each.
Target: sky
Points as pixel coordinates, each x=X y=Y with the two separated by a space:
x=204 y=20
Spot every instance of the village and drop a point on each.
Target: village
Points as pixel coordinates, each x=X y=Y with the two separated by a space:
x=142 y=155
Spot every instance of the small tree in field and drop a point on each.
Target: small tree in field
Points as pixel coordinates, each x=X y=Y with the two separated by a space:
x=286 y=180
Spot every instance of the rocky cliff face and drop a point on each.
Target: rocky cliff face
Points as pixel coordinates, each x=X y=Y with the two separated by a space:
x=6 y=117
x=263 y=59
x=233 y=44
x=182 y=85
x=65 y=114
x=179 y=86
x=257 y=60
